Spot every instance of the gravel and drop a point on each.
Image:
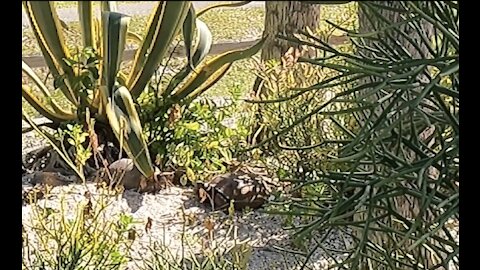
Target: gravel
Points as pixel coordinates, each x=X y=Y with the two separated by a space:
x=31 y=140
x=262 y=231
x=165 y=210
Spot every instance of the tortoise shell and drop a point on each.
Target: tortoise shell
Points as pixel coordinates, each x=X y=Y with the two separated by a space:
x=245 y=189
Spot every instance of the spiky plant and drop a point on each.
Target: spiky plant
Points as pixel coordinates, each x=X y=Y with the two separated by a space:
x=92 y=81
x=398 y=193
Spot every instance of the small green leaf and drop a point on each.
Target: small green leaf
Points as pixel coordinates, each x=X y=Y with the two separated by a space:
x=229 y=132
x=213 y=144
x=82 y=138
x=225 y=153
x=190 y=174
x=71 y=141
x=183 y=180
x=195 y=126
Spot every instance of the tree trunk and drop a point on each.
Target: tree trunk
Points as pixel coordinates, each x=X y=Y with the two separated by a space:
x=407 y=206
x=286 y=18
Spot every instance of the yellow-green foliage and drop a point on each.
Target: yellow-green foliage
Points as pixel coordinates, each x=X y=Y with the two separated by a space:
x=53 y=238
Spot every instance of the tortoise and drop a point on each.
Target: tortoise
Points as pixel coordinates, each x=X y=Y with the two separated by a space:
x=245 y=187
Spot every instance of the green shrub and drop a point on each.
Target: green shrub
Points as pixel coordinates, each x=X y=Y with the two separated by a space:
x=91 y=78
x=69 y=233
x=201 y=138
x=54 y=239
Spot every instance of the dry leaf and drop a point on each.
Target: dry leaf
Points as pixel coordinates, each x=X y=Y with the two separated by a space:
x=88 y=210
x=202 y=194
x=148 y=226
x=174 y=114
x=132 y=234
x=209 y=225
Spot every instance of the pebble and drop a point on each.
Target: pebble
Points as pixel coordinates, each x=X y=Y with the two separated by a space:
x=263 y=232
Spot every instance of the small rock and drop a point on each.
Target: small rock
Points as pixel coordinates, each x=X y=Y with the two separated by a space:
x=52 y=179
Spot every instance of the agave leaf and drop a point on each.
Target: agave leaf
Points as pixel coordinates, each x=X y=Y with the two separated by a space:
x=125 y=123
x=188 y=32
x=212 y=80
x=64 y=156
x=50 y=29
x=43 y=89
x=115 y=31
x=43 y=109
x=141 y=53
x=85 y=11
x=105 y=6
x=56 y=66
x=122 y=78
x=204 y=73
x=202 y=48
x=109 y=6
x=204 y=43
x=162 y=30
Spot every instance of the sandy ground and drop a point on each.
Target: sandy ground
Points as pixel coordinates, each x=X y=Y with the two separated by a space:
x=264 y=233
x=261 y=231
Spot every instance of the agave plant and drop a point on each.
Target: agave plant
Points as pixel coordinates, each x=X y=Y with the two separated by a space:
x=92 y=81
x=397 y=195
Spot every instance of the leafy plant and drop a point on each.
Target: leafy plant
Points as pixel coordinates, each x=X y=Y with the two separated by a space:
x=300 y=152
x=92 y=79
x=199 y=138
x=54 y=239
x=399 y=182
x=88 y=236
x=76 y=137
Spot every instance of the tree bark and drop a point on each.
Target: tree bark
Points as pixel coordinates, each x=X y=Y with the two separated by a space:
x=281 y=18
x=286 y=18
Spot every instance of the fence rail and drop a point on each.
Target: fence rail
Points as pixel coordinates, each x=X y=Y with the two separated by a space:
x=37 y=61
